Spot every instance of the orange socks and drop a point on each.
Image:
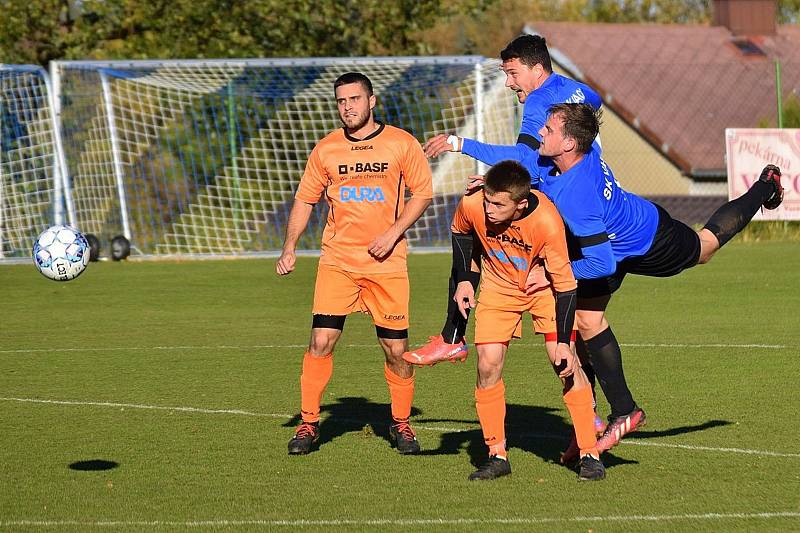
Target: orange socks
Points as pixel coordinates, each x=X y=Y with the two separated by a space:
x=491 y=406
x=401 y=391
x=317 y=371
x=579 y=405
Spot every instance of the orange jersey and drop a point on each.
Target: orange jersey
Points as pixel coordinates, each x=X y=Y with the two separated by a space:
x=364 y=183
x=511 y=250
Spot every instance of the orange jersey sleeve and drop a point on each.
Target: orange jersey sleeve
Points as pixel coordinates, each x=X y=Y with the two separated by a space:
x=314 y=180
x=364 y=183
x=466 y=211
x=416 y=171
x=554 y=245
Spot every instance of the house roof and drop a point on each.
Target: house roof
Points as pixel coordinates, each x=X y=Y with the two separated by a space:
x=679 y=85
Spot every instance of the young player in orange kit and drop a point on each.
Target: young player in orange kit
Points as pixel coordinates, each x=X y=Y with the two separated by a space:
x=517 y=229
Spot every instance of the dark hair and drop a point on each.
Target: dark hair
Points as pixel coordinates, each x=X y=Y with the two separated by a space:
x=581 y=122
x=353 y=77
x=508 y=176
x=530 y=50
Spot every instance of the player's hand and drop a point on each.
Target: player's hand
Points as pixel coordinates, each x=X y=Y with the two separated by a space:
x=464 y=297
x=383 y=245
x=565 y=362
x=285 y=262
x=435 y=146
x=474 y=184
x=537 y=279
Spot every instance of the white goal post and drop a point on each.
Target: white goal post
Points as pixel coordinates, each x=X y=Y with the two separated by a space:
x=204 y=157
x=31 y=160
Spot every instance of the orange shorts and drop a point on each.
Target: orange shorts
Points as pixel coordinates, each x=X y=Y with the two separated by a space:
x=498 y=317
x=384 y=296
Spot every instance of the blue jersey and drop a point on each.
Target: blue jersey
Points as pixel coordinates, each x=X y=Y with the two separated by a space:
x=608 y=223
x=556 y=89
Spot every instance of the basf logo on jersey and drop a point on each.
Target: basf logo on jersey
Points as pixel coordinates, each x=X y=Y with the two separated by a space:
x=750 y=150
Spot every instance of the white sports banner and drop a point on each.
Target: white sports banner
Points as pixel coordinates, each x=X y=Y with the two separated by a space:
x=750 y=150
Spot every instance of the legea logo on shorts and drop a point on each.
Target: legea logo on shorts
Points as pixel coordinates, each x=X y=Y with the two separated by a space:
x=361 y=194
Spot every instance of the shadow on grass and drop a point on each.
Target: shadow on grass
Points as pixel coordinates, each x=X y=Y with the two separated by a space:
x=535 y=429
x=678 y=430
x=92 y=465
x=538 y=430
x=352 y=414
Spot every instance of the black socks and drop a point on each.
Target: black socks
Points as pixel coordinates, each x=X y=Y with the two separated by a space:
x=606 y=359
x=732 y=217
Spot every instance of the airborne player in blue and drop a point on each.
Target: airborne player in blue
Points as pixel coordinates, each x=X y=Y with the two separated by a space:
x=529 y=73
x=613 y=233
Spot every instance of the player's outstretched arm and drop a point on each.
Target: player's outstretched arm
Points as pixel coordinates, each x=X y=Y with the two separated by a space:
x=298 y=220
x=483 y=152
x=436 y=146
x=384 y=243
x=494 y=153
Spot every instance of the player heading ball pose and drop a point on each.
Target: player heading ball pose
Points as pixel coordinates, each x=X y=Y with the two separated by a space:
x=518 y=228
x=619 y=233
x=363 y=170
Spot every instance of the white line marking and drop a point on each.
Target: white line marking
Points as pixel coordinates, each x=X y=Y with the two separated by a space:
x=403 y=521
x=440 y=429
x=638 y=442
x=160 y=348
x=150 y=407
x=713 y=345
x=303 y=346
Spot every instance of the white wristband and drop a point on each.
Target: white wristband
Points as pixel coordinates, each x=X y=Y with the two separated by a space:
x=453 y=141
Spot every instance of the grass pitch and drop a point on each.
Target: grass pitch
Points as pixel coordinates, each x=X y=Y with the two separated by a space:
x=148 y=396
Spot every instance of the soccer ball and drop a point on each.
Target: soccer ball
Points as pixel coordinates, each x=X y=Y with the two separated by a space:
x=61 y=253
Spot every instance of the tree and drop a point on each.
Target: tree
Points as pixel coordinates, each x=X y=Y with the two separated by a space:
x=33 y=31
x=791 y=115
x=662 y=11
x=485 y=31
x=788 y=11
x=37 y=31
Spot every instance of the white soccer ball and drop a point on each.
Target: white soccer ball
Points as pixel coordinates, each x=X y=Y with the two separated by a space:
x=61 y=253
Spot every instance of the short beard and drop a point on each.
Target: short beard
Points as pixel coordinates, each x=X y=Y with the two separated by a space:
x=360 y=124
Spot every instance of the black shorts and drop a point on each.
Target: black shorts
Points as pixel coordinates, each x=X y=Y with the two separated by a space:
x=675 y=248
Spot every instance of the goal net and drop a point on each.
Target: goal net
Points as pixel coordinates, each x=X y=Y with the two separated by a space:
x=30 y=178
x=204 y=157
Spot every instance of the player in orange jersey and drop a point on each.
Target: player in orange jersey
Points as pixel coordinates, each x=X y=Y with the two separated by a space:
x=518 y=229
x=363 y=170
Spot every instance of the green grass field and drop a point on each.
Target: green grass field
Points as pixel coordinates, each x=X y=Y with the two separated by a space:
x=147 y=396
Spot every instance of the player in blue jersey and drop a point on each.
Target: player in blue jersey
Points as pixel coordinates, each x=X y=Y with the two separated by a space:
x=529 y=73
x=616 y=233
